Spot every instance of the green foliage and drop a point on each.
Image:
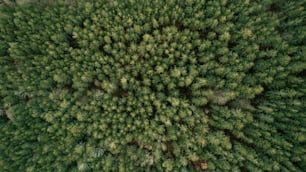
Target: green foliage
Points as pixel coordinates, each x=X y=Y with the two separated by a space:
x=160 y=86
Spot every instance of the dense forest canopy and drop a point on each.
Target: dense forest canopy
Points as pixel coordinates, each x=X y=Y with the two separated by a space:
x=136 y=85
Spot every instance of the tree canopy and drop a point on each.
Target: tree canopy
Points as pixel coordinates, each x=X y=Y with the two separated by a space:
x=155 y=85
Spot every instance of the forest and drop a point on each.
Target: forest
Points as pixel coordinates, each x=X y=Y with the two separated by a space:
x=160 y=85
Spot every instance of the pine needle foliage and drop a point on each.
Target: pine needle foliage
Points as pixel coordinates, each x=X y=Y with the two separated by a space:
x=155 y=85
